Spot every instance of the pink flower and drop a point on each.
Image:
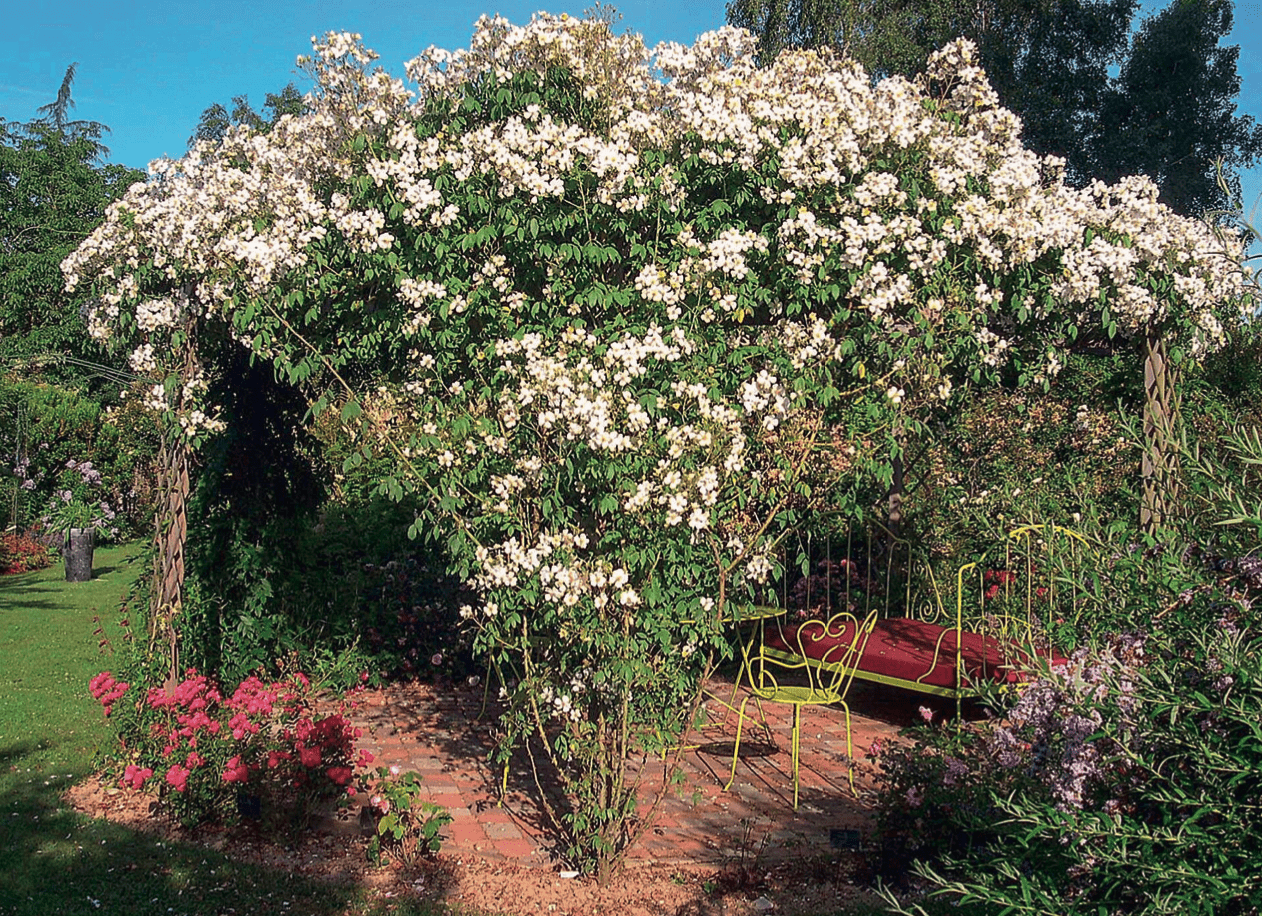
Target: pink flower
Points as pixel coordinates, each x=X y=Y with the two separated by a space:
x=194 y=760
x=309 y=756
x=926 y=713
x=135 y=776
x=874 y=749
x=365 y=758
x=340 y=775
x=177 y=776
x=437 y=659
x=236 y=771
x=380 y=803
x=395 y=769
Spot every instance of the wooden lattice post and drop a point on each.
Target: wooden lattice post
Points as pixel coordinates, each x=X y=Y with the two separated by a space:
x=172 y=532
x=167 y=594
x=1161 y=447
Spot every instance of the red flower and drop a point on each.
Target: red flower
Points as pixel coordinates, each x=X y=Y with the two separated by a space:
x=135 y=776
x=236 y=771
x=340 y=775
x=365 y=758
x=309 y=756
x=177 y=776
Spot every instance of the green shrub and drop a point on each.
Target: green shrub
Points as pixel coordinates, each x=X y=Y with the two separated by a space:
x=1126 y=782
x=45 y=428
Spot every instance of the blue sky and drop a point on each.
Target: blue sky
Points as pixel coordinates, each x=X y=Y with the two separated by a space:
x=148 y=69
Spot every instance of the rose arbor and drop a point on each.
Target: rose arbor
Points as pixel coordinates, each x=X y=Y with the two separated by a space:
x=624 y=318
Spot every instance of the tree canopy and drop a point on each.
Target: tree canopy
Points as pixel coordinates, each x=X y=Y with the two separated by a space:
x=216 y=120
x=1171 y=112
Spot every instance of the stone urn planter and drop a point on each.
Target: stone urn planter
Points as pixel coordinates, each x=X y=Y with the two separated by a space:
x=77 y=551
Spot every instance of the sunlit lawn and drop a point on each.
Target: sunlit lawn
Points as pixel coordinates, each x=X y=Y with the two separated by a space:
x=53 y=860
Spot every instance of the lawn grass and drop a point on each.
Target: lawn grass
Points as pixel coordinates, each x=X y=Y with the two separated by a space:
x=54 y=861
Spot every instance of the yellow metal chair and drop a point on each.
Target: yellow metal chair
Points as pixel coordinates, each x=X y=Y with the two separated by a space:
x=818 y=672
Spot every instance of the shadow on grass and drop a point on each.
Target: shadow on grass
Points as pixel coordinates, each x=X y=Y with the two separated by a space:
x=53 y=861
x=17 y=593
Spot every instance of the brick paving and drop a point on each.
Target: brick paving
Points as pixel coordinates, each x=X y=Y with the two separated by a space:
x=441 y=734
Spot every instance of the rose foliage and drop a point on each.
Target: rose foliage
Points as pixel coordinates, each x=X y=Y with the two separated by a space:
x=624 y=317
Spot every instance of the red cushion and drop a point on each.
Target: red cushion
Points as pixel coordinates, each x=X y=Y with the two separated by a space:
x=905 y=650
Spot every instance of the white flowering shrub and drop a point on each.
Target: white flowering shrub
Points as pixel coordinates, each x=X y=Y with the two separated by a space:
x=628 y=317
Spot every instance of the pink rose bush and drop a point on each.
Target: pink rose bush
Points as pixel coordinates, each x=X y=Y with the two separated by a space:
x=262 y=739
x=105 y=689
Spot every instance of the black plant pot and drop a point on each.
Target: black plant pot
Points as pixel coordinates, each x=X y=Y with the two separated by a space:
x=77 y=550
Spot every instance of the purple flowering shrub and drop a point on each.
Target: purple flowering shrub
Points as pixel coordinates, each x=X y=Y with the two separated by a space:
x=78 y=501
x=1126 y=781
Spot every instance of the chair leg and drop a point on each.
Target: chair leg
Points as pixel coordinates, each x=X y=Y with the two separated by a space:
x=797 y=746
x=736 y=749
x=849 y=749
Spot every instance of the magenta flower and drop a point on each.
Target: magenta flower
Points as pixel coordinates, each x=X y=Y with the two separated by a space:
x=236 y=771
x=177 y=776
x=135 y=776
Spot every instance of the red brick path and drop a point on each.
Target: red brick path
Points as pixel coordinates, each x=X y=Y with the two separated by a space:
x=438 y=733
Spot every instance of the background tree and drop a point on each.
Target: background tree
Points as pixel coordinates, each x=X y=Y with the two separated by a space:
x=53 y=192
x=55 y=117
x=1170 y=114
x=216 y=120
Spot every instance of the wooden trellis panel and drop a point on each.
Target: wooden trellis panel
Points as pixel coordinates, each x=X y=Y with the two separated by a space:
x=172 y=522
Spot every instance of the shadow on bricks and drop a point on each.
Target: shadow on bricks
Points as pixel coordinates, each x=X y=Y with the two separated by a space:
x=440 y=733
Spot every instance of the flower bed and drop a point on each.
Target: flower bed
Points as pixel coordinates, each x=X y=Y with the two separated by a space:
x=21 y=553
x=201 y=750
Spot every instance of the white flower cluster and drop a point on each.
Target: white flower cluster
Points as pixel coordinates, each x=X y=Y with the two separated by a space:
x=993 y=347
x=805 y=342
x=817 y=137
x=152 y=314
x=766 y=395
x=578 y=391
x=250 y=207
x=556 y=562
